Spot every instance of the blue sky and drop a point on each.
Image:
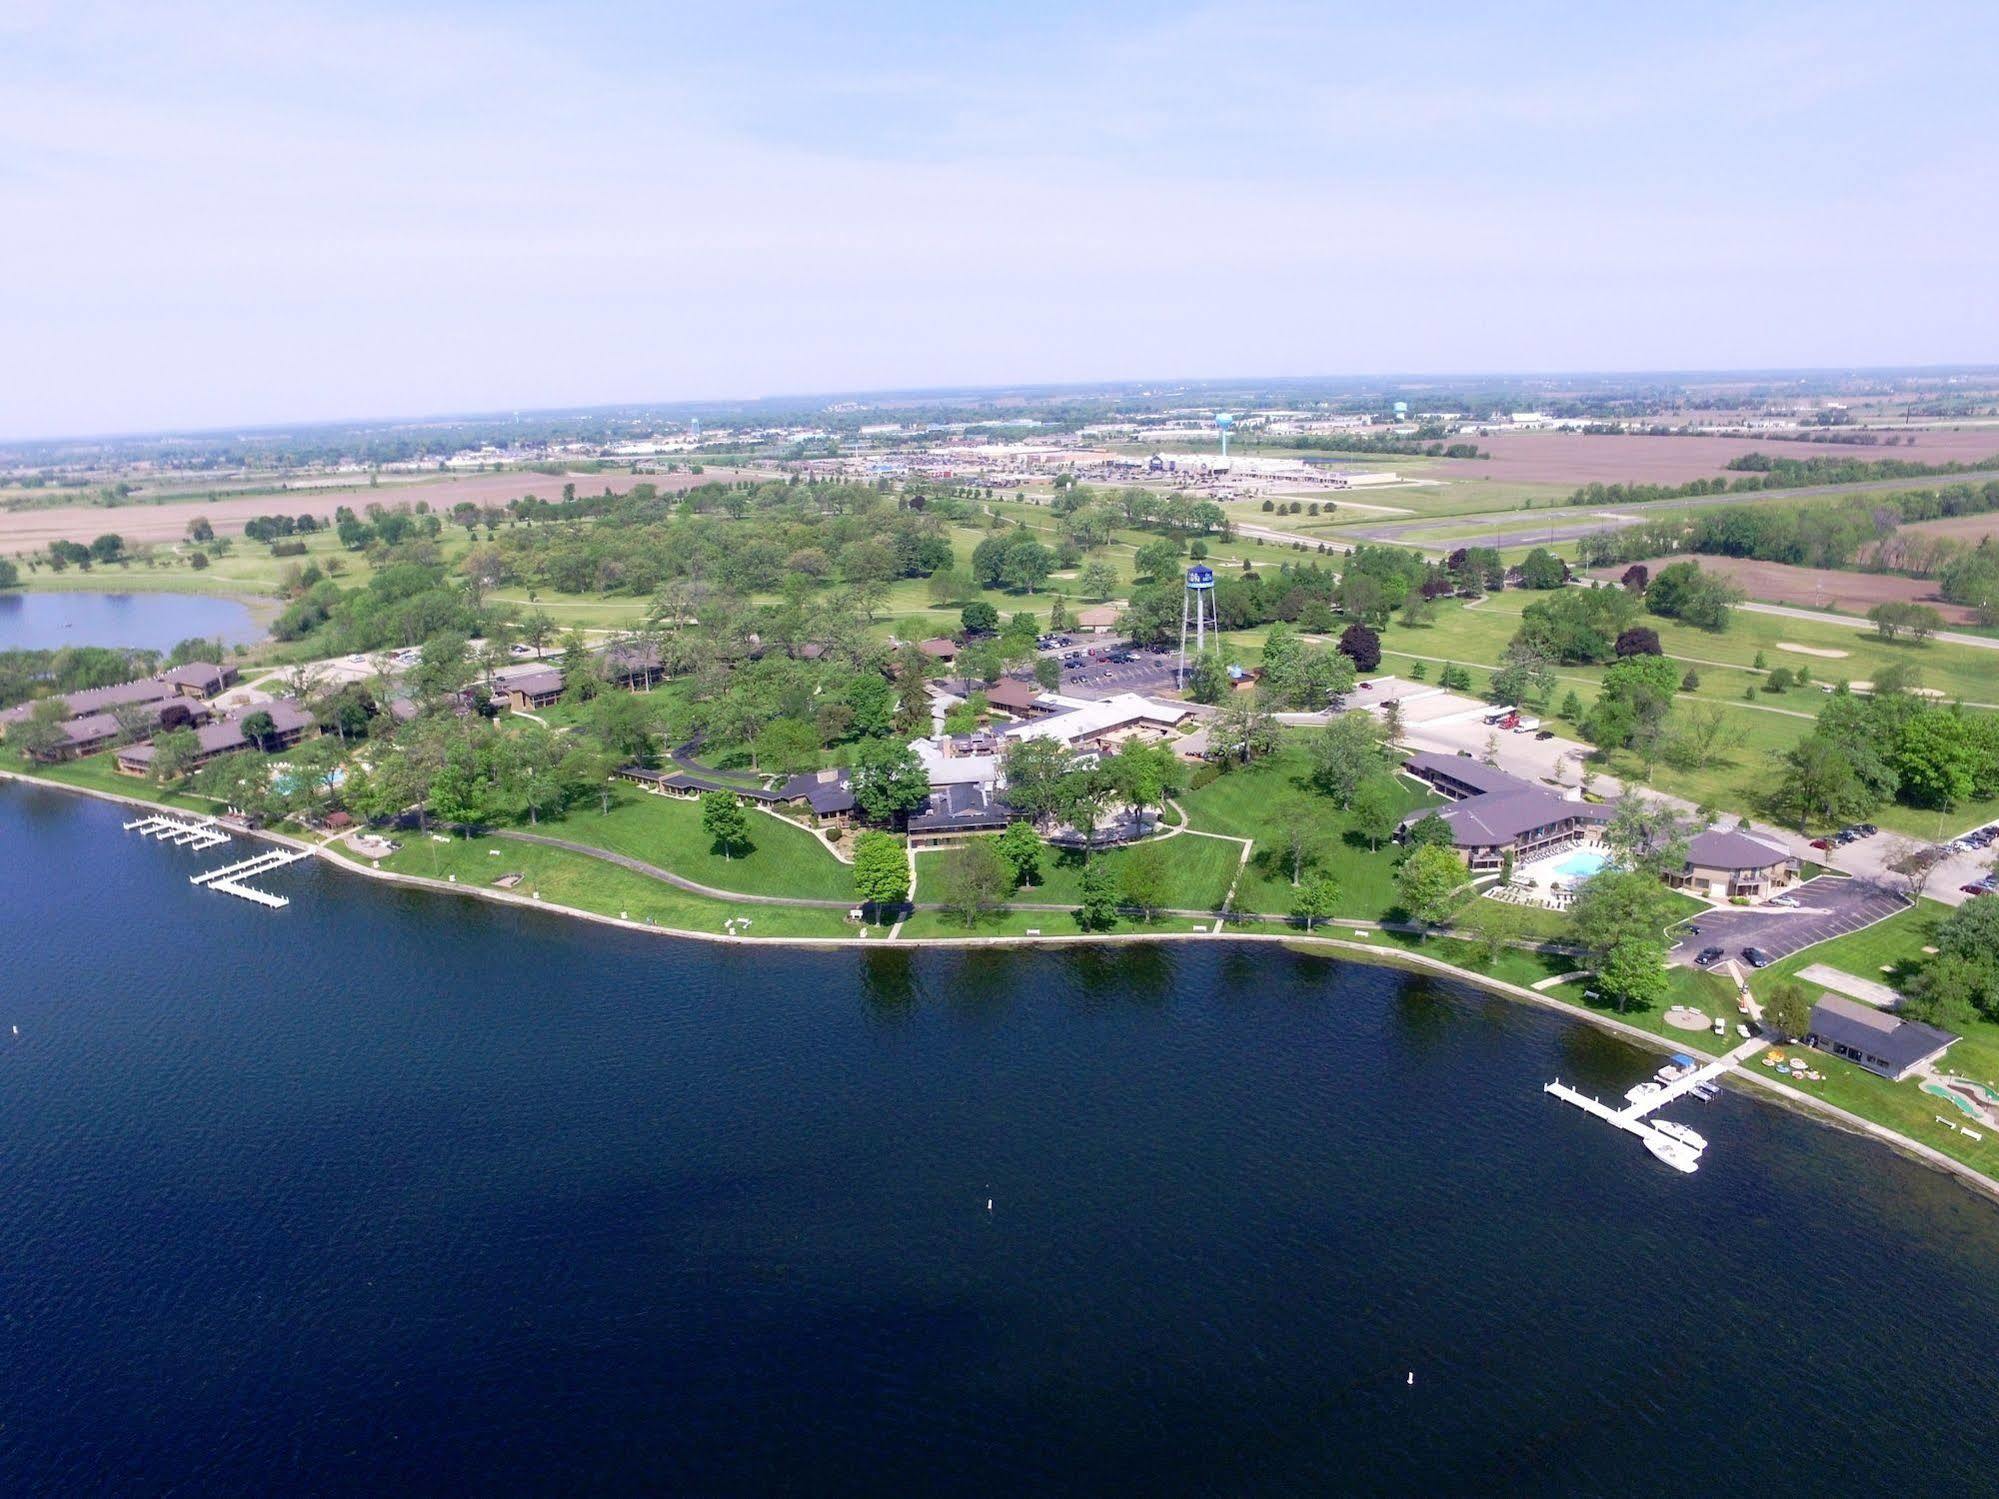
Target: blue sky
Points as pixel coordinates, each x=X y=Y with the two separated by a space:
x=222 y=214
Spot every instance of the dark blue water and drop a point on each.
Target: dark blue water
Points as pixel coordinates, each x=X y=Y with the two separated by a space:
x=393 y=1192
x=139 y=621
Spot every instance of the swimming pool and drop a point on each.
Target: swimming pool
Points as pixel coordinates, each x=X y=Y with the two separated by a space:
x=1575 y=865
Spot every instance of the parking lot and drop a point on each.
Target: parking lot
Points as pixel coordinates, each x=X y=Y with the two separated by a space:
x=1836 y=907
x=1145 y=672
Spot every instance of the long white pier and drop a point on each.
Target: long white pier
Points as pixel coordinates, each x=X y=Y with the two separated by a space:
x=229 y=879
x=1632 y=1116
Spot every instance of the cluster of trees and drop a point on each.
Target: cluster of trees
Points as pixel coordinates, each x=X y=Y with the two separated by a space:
x=1858 y=530
x=1894 y=619
x=1577 y=626
x=1960 y=981
x=404 y=603
x=1972 y=578
x=260 y=527
x=108 y=548
x=1890 y=746
x=1684 y=592
x=1762 y=471
x=1049 y=784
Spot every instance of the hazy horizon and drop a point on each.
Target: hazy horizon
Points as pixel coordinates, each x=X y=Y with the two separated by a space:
x=325 y=214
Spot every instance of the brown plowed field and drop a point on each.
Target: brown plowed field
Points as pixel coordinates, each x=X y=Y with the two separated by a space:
x=1812 y=587
x=1573 y=458
x=31 y=530
x=1969 y=529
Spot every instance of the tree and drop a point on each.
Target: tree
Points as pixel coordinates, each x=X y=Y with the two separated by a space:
x=881 y=870
x=1493 y=926
x=1428 y=883
x=1430 y=830
x=979 y=617
x=174 y=755
x=625 y=724
x=1577 y=626
x=1315 y=900
x=724 y=820
x=1542 y=569
x=790 y=746
x=1819 y=783
x=1361 y=646
x=1633 y=973
x=1571 y=709
x=257 y=727
x=1376 y=808
x=1098 y=580
x=889 y=781
x=1638 y=641
x=1157 y=558
x=1098 y=910
x=1047 y=673
x=1700 y=729
x=1022 y=848
x=1034 y=769
x=10 y=575
x=42 y=735
x=1242 y=729
x=1207 y=678
x=1142 y=880
x=975 y=878
x=1787 y=1011
x=1345 y=753
x=1912 y=862
x=1935 y=758
x=1524 y=673
x=1617 y=920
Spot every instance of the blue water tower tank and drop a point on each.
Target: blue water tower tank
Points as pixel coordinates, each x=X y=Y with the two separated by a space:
x=1200 y=576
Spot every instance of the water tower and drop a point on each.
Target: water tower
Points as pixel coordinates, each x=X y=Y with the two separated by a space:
x=1223 y=422
x=1199 y=603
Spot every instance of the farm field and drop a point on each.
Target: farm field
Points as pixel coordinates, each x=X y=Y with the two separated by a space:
x=1815 y=587
x=27 y=530
x=1575 y=458
x=1969 y=529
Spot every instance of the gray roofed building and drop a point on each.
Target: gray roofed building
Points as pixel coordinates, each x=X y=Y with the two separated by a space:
x=1874 y=1039
x=829 y=792
x=1494 y=815
x=289 y=724
x=199 y=678
x=956 y=809
x=100 y=699
x=1458 y=776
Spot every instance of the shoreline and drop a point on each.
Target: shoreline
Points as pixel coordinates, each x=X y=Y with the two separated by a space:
x=1768 y=1090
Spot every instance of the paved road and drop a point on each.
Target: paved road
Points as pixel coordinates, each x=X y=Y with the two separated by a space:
x=1610 y=518
x=1847 y=621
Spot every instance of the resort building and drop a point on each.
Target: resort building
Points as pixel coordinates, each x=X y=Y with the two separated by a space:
x=1082 y=725
x=1494 y=816
x=523 y=688
x=289 y=724
x=1021 y=699
x=959 y=810
x=92 y=714
x=1724 y=866
x=1873 y=1038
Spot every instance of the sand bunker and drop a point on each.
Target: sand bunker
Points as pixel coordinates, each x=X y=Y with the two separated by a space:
x=1812 y=650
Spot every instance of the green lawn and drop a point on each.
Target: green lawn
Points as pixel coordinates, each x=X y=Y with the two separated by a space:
x=95 y=772
x=782 y=859
x=588 y=884
x=1198 y=871
x=1265 y=801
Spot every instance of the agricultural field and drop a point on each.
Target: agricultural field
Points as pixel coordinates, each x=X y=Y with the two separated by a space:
x=1815 y=587
x=1572 y=459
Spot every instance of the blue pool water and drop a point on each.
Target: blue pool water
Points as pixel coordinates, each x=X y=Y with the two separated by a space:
x=1579 y=865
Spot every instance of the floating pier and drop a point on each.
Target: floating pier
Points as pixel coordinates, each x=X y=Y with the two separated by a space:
x=1632 y=1116
x=199 y=835
x=229 y=879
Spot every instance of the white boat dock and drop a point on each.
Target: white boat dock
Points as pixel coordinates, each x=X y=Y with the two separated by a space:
x=229 y=879
x=200 y=835
x=1631 y=1117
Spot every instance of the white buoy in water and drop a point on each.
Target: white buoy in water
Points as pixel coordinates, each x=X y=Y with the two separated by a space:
x=1412 y=1376
x=989 y=1204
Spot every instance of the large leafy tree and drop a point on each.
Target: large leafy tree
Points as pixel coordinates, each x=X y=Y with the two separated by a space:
x=881 y=870
x=1346 y=753
x=1428 y=883
x=724 y=820
x=888 y=780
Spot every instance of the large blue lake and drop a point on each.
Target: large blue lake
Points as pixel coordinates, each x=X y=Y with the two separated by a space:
x=394 y=1192
x=144 y=621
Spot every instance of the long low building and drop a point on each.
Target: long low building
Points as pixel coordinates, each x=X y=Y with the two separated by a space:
x=1874 y=1039
x=289 y=724
x=1081 y=724
x=197 y=679
x=1494 y=816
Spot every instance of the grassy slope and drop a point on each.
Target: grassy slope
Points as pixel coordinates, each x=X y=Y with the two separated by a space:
x=781 y=859
x=1264 y=801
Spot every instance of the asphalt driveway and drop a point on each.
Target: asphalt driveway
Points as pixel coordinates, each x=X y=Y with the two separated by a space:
x=1834 y=908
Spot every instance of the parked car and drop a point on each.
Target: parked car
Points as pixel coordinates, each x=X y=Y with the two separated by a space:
x=1708 y=957
x=1545 y=734
x=1821 y=844
x=1972 y=889
x=1755 y=957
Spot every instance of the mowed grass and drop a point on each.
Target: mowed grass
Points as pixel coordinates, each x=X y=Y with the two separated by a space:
x=1265 y=801
x=1757 y=732
x=779 y=859
x=95 y=772
x=1197 y=873
x=590 y=884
